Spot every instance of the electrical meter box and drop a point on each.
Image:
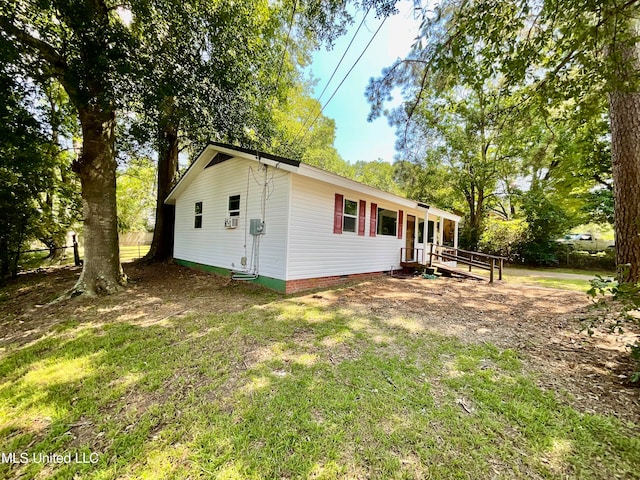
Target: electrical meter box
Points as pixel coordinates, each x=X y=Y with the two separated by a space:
x=256 y=227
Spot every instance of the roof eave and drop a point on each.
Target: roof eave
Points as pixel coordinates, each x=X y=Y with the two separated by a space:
x=295 y=166
x=334 y=179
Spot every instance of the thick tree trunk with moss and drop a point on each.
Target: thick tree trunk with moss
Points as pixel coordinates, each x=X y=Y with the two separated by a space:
x=162 y=243
x=102 y=272
x=624 y=110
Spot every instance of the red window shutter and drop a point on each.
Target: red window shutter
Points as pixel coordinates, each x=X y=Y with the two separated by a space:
x=337 y=213
x=373 y=220
x=400 y=224
x=361 y=214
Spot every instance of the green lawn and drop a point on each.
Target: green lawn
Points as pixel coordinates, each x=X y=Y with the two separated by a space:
x=572 y=271
x=287 y=390
x=562 y=278
x=132 y=252
x=578 y=285
x=550 y=277
x=30 y=261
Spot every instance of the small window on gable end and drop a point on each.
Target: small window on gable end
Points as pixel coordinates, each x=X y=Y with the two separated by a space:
x=198 y=215
x=234 y=206
x=350 y=216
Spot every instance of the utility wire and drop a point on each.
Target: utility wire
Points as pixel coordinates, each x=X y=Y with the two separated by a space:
x=284 y=52
x=341 y=82
x=335 y=70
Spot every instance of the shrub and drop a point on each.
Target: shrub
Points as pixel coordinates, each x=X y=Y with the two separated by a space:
x=547 y=221
x=587 y=261
x=501 y=236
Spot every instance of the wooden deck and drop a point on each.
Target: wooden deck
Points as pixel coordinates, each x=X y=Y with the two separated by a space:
x=445 y=269
x=454 y=271
x=438 y=255
x=414 y=265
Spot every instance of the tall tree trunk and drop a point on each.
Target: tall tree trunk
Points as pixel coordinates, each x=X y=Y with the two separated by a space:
x=54 y=240
x=476 y=210
x=475 y=222
x=4 y=258
x=16 y=258
x=624 y=114
x=102 y=272
x=162 y=243
x=624 y=111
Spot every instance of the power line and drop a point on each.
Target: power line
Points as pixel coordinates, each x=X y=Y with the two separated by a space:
x=284 y=51
x=335 y=70
x=274 y=93
x=341 y=82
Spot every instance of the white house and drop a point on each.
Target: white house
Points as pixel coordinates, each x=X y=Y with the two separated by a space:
x=290 y=226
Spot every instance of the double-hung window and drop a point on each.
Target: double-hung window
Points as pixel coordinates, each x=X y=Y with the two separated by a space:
x=234 y=205
x=198 y=216
x=350 y=216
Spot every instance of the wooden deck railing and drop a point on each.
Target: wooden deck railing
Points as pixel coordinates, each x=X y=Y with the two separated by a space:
x=480 y=260
x=417 y=255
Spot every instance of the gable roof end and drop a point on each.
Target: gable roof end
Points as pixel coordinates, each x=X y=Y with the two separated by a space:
x=215 y=153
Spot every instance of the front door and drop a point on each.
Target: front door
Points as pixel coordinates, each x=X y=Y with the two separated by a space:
x=411 y=238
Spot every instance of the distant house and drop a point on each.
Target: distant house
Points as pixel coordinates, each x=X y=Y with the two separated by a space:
x=290 y=226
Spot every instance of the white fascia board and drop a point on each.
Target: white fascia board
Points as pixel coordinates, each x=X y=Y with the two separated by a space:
x=194 y=169
x=255 y=158
x=203 y=160
x=441 y=213
x=305 y=170
x=342 y=182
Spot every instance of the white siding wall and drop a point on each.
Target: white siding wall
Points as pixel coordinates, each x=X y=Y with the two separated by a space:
x=315 y=251
x=215 y=245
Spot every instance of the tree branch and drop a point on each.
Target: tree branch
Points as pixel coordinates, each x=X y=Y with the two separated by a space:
x=46 y=51
x=603 y=182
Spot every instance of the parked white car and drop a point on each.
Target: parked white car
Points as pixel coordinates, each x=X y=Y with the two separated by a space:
x=587 y=242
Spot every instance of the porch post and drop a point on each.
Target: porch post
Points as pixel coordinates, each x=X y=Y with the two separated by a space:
x=455 y=236
x=440 y=230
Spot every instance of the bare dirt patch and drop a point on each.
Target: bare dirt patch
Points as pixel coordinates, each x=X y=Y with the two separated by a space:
x=156 y=294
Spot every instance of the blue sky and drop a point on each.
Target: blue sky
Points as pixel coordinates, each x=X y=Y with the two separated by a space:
x=357 y=139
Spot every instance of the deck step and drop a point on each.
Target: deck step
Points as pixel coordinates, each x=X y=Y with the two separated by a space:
x=440 y=270
x=432 y=271
x=459 y=272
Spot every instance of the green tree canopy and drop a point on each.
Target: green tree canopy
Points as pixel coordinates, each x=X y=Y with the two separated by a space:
x=24 y=169
x=560 y=70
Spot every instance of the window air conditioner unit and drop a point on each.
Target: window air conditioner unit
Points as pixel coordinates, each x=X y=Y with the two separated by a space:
x=231 y=222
